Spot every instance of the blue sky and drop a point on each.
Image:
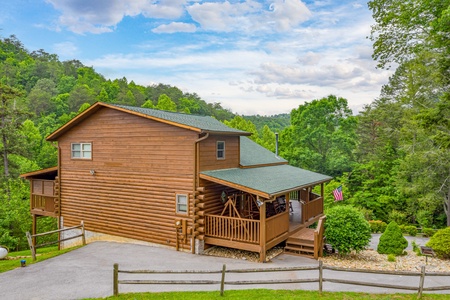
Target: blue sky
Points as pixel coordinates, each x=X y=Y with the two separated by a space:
x=254 y=57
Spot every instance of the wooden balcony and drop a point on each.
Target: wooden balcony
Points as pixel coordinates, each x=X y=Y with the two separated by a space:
x=43 y=198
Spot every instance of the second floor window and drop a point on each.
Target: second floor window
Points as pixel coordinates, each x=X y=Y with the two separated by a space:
x=220 y=150
x=82 y=150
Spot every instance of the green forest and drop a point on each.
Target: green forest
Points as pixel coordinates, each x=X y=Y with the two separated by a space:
x=392 y=159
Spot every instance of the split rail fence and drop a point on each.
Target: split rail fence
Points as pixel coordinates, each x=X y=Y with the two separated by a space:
x=320 y=279
x=31 y=238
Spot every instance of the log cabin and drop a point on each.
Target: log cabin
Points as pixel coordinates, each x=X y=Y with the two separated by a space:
x=184 y=181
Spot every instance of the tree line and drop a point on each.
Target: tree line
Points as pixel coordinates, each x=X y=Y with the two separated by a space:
x=392 y=159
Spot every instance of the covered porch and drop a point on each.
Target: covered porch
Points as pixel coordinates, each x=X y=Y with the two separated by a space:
x=251 y=219
x=44 y=194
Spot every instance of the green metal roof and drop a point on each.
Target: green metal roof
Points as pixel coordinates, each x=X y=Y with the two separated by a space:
x=254 y=154
x=205 y=123
x=267 y=181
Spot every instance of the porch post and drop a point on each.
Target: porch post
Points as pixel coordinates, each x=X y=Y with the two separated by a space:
x=33 y=228
x=262 y=232
x=287 y=198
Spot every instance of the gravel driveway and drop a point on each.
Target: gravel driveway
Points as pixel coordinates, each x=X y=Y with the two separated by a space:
x=87 y=272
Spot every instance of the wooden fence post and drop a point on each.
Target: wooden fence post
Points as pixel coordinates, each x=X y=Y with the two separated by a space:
x=30 y=243
x=422 y=281
x=116 y=280
x=83 y=237
x=320 y=276
x=222 y=281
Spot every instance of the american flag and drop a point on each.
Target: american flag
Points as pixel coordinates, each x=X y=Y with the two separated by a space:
x=337 y=193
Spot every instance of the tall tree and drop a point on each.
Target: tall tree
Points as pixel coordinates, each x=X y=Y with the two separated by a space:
x=10 y=122
x=323 y=136
x=165 y=103
x=415 y=35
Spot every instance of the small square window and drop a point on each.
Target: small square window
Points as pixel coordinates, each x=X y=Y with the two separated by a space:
x=220 y=150
x=82 y=150
x=182 y=204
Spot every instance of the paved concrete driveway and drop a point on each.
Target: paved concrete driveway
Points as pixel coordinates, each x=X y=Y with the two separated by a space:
x=87 y=272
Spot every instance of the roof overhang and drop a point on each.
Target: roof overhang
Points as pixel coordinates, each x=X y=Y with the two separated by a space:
x=53 y=171
x=266 y=182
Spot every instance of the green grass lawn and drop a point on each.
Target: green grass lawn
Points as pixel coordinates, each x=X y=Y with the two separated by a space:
x=14 y=258
x=262 y=294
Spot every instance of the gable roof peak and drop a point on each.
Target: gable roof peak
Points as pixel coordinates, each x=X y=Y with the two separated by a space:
x=187 y=121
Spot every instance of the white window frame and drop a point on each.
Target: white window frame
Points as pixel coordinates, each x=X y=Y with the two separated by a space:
x=222 y=151
x=179 y=203
x=83 y=153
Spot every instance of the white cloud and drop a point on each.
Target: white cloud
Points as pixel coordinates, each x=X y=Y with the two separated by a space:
x=224 y=16
x=175 y=27
x=249 y=16
x=287 y=14
x=100 y=16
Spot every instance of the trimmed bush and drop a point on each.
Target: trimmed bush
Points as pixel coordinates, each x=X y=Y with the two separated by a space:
x=392 y=240
x=377 y=226
x=411 y=230
x=346 y=229
x=440 y=242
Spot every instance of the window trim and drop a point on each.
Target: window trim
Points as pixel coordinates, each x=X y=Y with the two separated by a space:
x=177 y=204
x=220 y=150
x=81 y=144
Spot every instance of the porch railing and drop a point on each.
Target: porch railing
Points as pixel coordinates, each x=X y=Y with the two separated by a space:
x=277 y=225
x=312 y=209
x=233 y=229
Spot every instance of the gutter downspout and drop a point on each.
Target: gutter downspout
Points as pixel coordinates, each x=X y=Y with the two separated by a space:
x=59 y=191
x=196 y=180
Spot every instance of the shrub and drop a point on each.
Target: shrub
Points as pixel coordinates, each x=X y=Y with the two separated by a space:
x=440 y=242
x=346 y=229
x=377 y=226
x=424 y=218
x=367 y=213
x=428 y=232
x=397 y=217
x=391 y=258
x=411 y=230
x=392 y=240
x=416 y=248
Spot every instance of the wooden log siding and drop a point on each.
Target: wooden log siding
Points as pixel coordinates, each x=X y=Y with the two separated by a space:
x=209 y=160
x=140 y=165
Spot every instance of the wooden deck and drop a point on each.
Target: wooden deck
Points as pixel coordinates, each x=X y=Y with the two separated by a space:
x=306 y=241
x=306 y=234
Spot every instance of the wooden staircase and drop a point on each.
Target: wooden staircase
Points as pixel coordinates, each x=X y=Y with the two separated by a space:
x=307 y=242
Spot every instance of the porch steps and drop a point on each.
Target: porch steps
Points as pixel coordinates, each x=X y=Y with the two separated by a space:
x=301 y=243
